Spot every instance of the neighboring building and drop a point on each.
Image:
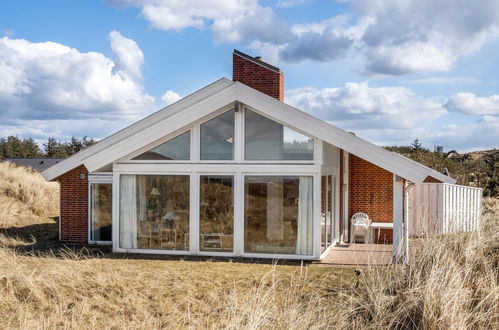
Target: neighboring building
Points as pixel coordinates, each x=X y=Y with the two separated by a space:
x=231 y=170
x=39 y=164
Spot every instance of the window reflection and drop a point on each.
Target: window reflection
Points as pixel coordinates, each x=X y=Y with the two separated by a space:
x=101 y=212
x=217 y=138
x=266 y=139
x=178 y=148
x=278 y=214
x=216 y=213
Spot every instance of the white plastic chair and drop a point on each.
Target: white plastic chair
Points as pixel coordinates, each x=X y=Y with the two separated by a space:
x=360 y=223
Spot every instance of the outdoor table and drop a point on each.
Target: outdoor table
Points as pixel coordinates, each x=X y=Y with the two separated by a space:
x=381 y=225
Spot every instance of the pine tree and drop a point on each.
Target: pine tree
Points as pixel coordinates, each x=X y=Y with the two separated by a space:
x=55 y=149
x=416 y=145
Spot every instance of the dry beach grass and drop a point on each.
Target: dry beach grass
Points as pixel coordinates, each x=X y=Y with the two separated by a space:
x=452 y=282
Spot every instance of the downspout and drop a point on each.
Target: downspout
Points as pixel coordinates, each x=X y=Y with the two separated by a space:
x=406 y=222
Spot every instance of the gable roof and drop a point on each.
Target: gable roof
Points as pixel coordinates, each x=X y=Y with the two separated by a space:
x=39 y=164
x=218 y=95
x=77 y=159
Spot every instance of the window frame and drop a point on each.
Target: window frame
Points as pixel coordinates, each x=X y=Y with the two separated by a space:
x=238 y=171
x=279 y=161
x=239 y=142
x=99 y=178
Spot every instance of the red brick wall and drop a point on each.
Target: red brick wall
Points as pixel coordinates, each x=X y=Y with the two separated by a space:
x=74 y=205
x=258 y=77
x=371 y=192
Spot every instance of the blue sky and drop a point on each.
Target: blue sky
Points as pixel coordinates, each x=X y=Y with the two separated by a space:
x=391 y=71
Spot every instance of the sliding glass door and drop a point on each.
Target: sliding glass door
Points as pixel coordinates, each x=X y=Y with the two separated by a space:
x=278 y=214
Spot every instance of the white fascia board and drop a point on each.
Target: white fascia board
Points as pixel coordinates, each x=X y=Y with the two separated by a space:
x=430 y=172
x=77 y=159
x=161 y=128
x=300 y=120
x=277 y=110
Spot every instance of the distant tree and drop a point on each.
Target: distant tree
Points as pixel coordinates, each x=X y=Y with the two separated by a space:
x=417 y=145
x=55 y=149
x=29 y=149
x=73 y=146
x=14 y=147
x=87 y=142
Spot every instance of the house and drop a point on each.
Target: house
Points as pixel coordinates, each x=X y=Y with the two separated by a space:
x=39 y=164
x=231 y=170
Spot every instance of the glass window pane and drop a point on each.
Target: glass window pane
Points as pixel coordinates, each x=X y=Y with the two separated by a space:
x=266 y=139
x=216 y=214
x=278 y=214
x=101 y=206
x=217 y=138
x=178 y=148
x=154 y=212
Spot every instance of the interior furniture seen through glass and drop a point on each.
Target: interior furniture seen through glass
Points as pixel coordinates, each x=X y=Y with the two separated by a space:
x=178 y=148
x=216 y=214
x=154 y=212
x=101 y=206
x=217 y=137
x=266 y=139
x=278 y=214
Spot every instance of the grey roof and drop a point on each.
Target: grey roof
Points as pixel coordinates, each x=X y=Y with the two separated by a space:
x=40 y=164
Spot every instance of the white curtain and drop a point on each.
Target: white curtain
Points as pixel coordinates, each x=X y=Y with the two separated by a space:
x=128 y=212
x=305 y=217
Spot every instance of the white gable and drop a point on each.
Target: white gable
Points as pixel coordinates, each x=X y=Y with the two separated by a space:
x=218 y=95
x=77 y=159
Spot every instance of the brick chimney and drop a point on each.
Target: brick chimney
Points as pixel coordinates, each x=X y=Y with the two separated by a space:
x=252 y=71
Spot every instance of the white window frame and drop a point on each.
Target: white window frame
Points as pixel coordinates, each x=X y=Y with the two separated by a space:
x=98 y=178
x=238 y=171
x=243 y=142
x=315 y=219
x=239 y=142
x=198 y=220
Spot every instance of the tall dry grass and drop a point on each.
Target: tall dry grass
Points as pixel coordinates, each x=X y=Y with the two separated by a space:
x=452 y=282
x=25 y=196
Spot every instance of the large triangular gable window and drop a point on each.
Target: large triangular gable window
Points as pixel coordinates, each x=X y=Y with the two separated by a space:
x=178 y=148
x=266 y=139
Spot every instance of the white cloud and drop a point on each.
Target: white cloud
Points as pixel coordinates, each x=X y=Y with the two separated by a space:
x=258 y=24
x=230 y=20
x=129 y=56
x=424 y=35
x=359 y=106
x=397 y=115
x=291 y=3
x=471 y=104
x=51 y=89
x=445 y=80
x=482 y=134
x=392 y=37
x=170 y=97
